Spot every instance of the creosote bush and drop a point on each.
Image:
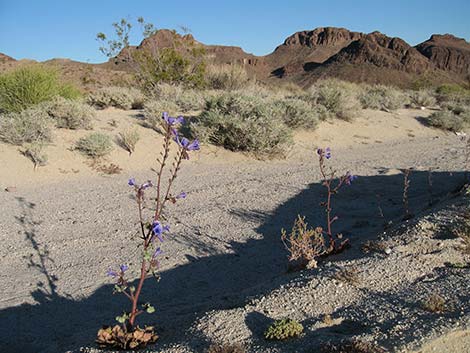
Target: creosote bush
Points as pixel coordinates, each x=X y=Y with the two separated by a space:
x=242 y=123
x=70 y=114
x=337 y=97
x=382 y=97
x=119 y=97
x=284 y=329
x=447 y=120
x=28 y=126
x=95 y=145
x=226 y=77
x=31 y=85
x=297 y=113
x=35 y=152
x=128 y=140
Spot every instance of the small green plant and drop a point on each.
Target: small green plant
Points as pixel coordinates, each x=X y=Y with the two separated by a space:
x=227 y=77
x=337 y=97
x=119 y=97
x=95 y=145
x=31 y=85
x=28 y=126
x=70 y=114
x=297 y=113
x=128 y=139
x=35 y=152
x=284 y=329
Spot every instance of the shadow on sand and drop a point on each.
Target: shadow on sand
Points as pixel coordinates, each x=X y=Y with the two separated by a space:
x=57 y=323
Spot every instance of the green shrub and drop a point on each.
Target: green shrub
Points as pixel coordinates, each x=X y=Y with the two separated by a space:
x=185 y=99
x=297 y=113
x=242 y=123
x=153 y=111
x=128 y=139
x=421 y=98
x=35 y=152
x=283 y=329
x=28 y=126
x=338 y=97
x=382 y=97
x=70 y=114
x=95 y=145
x=447 y=120
x=31 y=85
x=118 y=97
x=227 y=77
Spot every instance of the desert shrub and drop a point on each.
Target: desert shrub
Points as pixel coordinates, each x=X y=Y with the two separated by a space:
x=128 y=139
x=382 y=97
x=462 y=230
x=242 y=123
x=95 y=145
x=70 y=114
x=28 y=126
x=297 y=113
x=226 y=77
x=352 y=346
x=119 y=97
x=184 y=98
x=435 y=303
x=421 y=98
x=338 y=97
x=153 y=111
x=226 y=348
x=348 y=275
x=283 y=329
x=446 y=120
x=31 y=85
x=35 y=152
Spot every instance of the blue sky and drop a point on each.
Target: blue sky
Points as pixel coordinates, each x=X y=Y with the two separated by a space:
x=44 y=29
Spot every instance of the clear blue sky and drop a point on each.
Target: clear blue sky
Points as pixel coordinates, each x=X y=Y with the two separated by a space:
x=44 y=29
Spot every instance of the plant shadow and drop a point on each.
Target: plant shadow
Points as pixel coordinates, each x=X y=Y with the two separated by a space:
x=58 y=323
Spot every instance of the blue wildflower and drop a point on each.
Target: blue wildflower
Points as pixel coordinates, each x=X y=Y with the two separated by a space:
x=182 y=195
x=123 y=268
x=131 y=182
x=158 y=230
x=111 y=273
x=172 y=121
x=349 y=178
x=157 y=252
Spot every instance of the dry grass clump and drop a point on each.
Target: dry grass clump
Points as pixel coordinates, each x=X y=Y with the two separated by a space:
x=382 y=97
x=348 y=275
x=35 y=152
x=28 y=126
x=297 y=113
x=436 y=304
x=463 y=232
x=242 y=123
x=447 y=120
x=31 y=85
x=422 y=98
x=337 y=97
x=70 y=114
x=119 y=97
x=226 y=77
x=184 y=99
x=352 y=346
x=283 y=329
x=95 y=145
x=128 y=140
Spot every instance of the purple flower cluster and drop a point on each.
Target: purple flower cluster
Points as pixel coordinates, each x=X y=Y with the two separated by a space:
x=122 y=269
x=324 y=152
x=172 y=121
x=144 y=186
x=349 y=178
x=158 y=230
x=184 y=143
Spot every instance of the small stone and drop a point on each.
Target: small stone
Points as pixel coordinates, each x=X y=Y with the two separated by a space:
x=388 y=251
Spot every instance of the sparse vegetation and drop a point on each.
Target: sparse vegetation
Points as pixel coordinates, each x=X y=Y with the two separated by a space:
x=153 y=112
x=382 y=97
x=242 y=123
x=352 y=346
x=181 y=98
x=119 y=97
x=128 y=140
x=226 y=348
x=338 y=97
x=348 y=275
x=31 y=85
x=283 y=329
x=95 y=145
x=227 y=77
x=435 y=303
x=422 y=98
x=446 y=120
x=462 y=230
x=35 y=152
x=70 y=114
x=28 y=126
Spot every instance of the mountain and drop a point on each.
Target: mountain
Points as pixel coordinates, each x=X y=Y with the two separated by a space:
x=5 y=58
x=447 y=53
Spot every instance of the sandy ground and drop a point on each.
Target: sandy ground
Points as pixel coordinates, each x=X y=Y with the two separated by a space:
x=224 y=275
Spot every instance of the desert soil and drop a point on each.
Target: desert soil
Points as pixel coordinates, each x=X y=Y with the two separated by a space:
x=223 y=277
